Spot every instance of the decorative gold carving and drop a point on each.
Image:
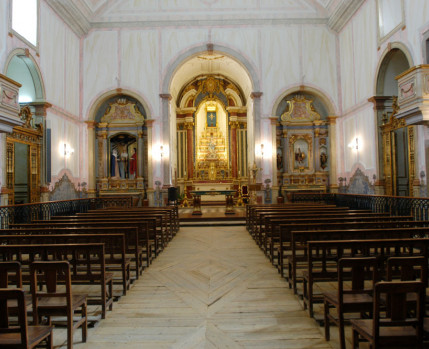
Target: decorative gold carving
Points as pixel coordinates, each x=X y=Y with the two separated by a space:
x=301 y=152
x=300 y=109
x=122 y=111
x=322 y=141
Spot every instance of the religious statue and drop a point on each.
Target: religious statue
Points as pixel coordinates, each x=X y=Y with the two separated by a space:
x=323 y=160
x=299 y=156
x=114 y=169
x=123 y=163
x=254 y=172
x=133 y=164
x=279 y=161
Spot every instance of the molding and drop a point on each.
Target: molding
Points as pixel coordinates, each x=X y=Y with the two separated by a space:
x=75 y=13
x=342 y=14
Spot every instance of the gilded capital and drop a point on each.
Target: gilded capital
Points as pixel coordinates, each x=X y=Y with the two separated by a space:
x=188 y=125
x=234 y=124
x=332 y=119
x=91 y=124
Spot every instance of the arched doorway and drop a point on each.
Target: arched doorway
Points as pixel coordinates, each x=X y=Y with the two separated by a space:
x=211 y=121
x=26 y=148
x=393 y=136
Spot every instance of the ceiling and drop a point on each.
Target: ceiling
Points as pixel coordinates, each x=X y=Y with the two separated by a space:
x=83 y=15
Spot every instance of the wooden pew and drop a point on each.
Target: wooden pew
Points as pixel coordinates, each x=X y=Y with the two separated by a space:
x=114 y=248
x=137 y=241
x=273 y=221
x=87 y=262
x=281 y=241
x=323 y=256
x=156 y=234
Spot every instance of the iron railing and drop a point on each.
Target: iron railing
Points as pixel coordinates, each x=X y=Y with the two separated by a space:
x=395 y=205
x=26 y=213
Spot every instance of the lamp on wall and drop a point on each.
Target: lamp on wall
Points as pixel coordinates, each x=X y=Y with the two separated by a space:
x=356 y=144
x=68 y=150
x=262 y=150
x=161 y=151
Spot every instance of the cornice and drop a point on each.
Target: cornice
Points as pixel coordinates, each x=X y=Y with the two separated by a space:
x=75 y=13
x=342 y=14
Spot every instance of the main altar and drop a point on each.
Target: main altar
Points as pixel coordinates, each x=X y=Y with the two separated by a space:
x=211 y=139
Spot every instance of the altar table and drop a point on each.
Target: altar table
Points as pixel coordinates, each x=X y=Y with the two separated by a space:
x=229 y=199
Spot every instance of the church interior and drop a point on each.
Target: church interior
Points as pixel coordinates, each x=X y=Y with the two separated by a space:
x=207 y=104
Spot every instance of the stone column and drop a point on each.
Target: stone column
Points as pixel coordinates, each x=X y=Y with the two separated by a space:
x=149 y=125
x=166 y=173
x=333 y=186
x=382 y=107
x=254 y=137
x=189 y=126
x=234 y=156
x=92 y=190
x=140 y=155
x=274 y=152
x=40 y=112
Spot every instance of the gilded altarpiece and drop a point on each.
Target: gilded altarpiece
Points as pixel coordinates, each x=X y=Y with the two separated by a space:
x=211 y=135
x=31 y=137
x=302 y=147
x=121 y=148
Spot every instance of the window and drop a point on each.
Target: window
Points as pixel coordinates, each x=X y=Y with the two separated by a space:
x=24 y=19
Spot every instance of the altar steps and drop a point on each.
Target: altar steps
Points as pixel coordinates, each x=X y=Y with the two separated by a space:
x=212 y=216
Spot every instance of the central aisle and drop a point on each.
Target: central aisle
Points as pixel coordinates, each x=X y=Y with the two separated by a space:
x=211 y=288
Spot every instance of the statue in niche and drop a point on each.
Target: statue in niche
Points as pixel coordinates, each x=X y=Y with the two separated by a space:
x=300 y=156
x=133 y=164
x=114 y=168
x=279 y=161
x=123 y=163
x=323 y=160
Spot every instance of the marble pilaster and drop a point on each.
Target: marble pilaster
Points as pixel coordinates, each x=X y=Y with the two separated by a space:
x=253 y=137
x=333 y=186
x=149 y=125
x=92 y=189
x=189 y=126
x=140 y=156
x=274 y=150
x=165 y=106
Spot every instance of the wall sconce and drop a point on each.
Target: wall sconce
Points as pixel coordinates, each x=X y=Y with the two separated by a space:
x=262 y=150
x=355 y=144
x=68 y=150
x=161 y=151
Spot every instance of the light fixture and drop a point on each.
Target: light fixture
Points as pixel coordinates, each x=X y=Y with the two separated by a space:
x=262 y=149
x=68 y=150
x=161 y=151
x=355 y=144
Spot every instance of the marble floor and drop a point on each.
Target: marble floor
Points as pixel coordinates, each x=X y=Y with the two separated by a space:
x=211 y=288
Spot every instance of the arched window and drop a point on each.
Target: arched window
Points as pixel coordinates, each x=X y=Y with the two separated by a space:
x=25 y=19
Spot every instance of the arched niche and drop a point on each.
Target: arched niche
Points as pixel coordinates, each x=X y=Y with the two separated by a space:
x=121 y=146
x=302 y=146
x=393 y=167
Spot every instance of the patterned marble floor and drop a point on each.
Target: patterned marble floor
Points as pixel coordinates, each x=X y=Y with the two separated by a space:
x=211 y=288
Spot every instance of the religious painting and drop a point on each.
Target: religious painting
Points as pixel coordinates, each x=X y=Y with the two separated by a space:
x=211 y=119
x=300 y=152
x=123 y=157
x=323 y=158
x=279 y=158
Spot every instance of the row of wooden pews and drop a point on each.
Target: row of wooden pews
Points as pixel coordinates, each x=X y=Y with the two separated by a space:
x=308 y=242
x=105 y=251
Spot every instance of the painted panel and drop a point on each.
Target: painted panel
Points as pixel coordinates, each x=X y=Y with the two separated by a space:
x=100 y=65
x=319 y=59
x=280 y=61
x=365 y=52
x=52 y=57
x=72 y=73
x=140 y=64
x=347 y=67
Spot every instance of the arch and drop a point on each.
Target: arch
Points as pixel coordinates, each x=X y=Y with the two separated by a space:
x=383 y=63
x=33 y=68
x=327 y=101
x=177 y=62
x=100 y=99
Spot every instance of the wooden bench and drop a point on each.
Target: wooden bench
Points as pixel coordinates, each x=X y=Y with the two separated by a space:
x=114 y=248
x=281 y=242
x=273 y=221
x=87 y=262
x=138 y=243
x=323 y=257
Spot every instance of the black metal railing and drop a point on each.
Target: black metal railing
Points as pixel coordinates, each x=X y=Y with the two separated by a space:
x=395 y=205
x=26 y=213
